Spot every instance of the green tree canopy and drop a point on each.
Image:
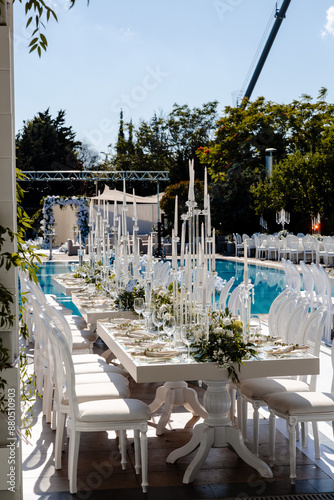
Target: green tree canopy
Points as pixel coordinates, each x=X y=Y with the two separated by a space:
x=301 y=132
x=46 y=143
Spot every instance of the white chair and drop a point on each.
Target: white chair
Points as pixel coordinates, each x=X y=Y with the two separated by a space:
x=273 y=247
x=283 y=251
x=261 y=249
x=234 y=301
x=255 y=390
x=308 y=284
x=328 y=243
x=299 y=407
x=224 y=294
x=96 y=415
x=310 y=249
x=239 y=246
x=292 y=243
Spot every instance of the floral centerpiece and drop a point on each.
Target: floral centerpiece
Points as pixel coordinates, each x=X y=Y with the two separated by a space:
x=224 y=344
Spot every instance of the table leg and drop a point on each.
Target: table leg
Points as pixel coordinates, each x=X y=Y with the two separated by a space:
x=216 y=431
x=178 y=394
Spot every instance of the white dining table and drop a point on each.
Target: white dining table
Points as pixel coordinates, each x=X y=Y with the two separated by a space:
x=94 y=313
x=217 y=429
x=66 y=284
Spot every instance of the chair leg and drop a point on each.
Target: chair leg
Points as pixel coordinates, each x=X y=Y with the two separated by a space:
x=73 y=460
x=59 y=439
x=256 y=424
x=137 y=451
x=244 y=419
x=143 y=448
x=292 y=449
x=272 y=437
x=316 y=440
x=122 y=447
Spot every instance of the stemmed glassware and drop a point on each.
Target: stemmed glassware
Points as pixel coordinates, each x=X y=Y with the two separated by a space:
x=147 y=313
x=157 y=318
x=169 y=325
x=187 y=338
x=138 y=305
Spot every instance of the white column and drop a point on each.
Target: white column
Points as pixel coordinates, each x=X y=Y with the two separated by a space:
x=8 y=219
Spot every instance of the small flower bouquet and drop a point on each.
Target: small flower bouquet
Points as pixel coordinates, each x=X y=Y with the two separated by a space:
x=223 y=344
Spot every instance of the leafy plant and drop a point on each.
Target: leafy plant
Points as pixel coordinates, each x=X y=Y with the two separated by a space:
x=223 y=344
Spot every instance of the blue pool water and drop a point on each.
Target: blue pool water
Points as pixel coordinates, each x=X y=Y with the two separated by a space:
x=268 y=283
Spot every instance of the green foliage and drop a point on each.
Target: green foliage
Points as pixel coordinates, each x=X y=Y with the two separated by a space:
x=125 y=299
x=181 y=190
x=223 y=344
x=46 y=143
x=302 y=132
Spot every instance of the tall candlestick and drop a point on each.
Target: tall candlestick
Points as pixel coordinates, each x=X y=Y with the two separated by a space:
x=134 y=205
x=176 y=216
x=98 y=203
x=183 y=238
x=205 y=189
x=208 y=229
x=213 y=249
x=245 y=264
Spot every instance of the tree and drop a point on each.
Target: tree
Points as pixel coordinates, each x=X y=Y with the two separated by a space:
x=46 y=143
x=181 y=190
x=236 y=159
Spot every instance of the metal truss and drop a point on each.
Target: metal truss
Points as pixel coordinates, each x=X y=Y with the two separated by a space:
x=97 y=175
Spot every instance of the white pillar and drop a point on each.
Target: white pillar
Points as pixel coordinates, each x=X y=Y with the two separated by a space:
x=8 y=219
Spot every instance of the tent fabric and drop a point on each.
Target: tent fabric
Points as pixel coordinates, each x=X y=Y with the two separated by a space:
x=112 y=194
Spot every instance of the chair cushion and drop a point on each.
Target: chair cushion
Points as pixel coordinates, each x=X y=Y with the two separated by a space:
x=105 y=390
x=87 y=358
x=258 y=388
x=116 y=410
x=97 y=377
x=293 y=403
x=85 y=368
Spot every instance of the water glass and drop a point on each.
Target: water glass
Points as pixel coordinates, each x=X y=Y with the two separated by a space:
x=157 y=318
x=169 y=325
x=138 y=305
x=187 y=338
x=147 y=313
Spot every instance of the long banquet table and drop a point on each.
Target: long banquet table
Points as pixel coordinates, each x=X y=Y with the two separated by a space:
x=216 y=430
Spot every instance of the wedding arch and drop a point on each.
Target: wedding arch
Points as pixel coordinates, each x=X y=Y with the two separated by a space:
x=79 y=203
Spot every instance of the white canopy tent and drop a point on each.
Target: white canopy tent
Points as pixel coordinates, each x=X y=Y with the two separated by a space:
x=147 y=208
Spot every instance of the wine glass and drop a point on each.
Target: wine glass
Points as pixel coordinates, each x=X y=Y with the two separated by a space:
x=138 y=305
x=157 y=318
x=254 y=328
x=187 y=338
x=147 y=313
x=169 y=325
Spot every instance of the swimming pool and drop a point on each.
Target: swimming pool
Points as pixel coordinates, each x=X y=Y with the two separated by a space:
x=268 y=282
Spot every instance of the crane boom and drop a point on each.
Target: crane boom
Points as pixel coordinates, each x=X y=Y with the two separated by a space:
x=280 y=15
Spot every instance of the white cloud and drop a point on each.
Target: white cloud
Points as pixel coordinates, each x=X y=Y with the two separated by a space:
x=329 y=26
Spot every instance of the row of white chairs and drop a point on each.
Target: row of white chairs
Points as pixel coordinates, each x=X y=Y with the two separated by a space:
x=299 y=315
x=293 y=247
x=81 y=391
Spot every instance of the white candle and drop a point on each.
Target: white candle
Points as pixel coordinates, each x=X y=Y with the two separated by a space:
x=205 y=188
x=204 y=281
x=245 y=264
x=80 y=239
x=174 y=264
x=115 y=208
x=98 y=203
x=91 y=212
x=183 y=237
x=213 y=249
x=134 y=205
x=176 y=216
x=208 y=230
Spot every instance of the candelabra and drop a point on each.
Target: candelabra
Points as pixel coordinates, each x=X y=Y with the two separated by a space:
x=282 y=217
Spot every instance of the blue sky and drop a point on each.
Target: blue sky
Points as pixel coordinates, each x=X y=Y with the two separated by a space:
x=144 y=56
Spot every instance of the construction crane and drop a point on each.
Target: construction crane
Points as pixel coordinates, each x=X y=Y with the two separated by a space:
x=279 y=15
